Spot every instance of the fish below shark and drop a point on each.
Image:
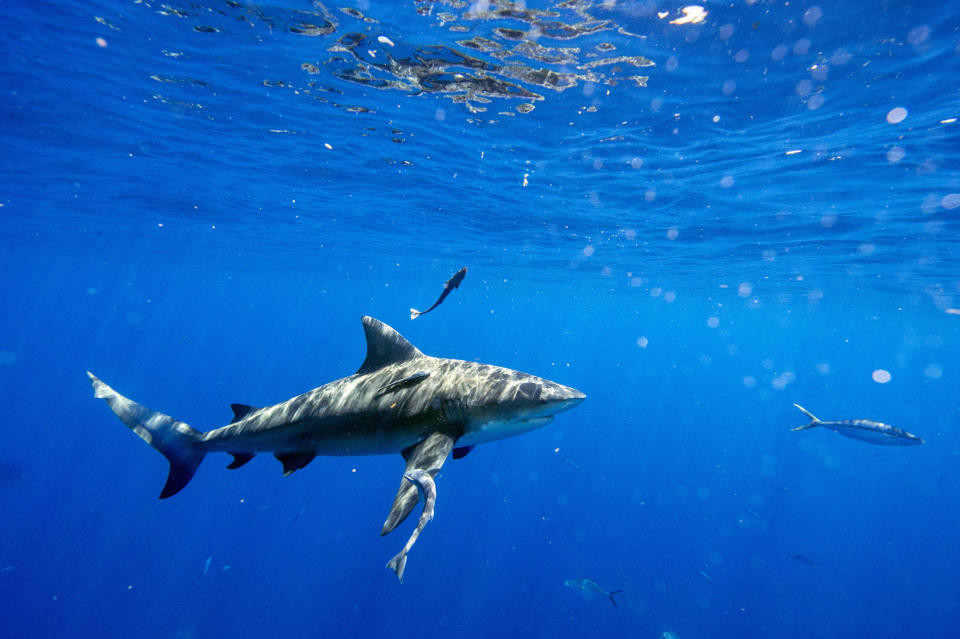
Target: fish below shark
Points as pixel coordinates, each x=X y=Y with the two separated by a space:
x=399 y=401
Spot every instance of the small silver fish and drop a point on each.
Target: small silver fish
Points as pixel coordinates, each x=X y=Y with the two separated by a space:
x=705 y=576
x=863 y=429
x=588 y=585
x=423 y=480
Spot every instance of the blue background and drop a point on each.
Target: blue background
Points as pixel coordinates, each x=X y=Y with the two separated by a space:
x=185 y=216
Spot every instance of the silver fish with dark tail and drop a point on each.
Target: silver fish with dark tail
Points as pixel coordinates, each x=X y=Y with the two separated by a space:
x=863 y=429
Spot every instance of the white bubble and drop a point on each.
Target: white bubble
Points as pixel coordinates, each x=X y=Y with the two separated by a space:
x=713 y=322
x=673 y=233
x=823 y=368
x=725 y=31
x=636 y=163
x=669 y=297
x=895 y=154
x=933 y=371
x=672 y=63
x=801 y=46
x=812 y=15
x=779 y=52
x=656 y=291
x=815 y=102
x=950 y=201
x=649 y=195
x=726 y=181
x=768 y=255
x=881 y=376
x=749 y=381
x=918 y=35
x=642 y=342
x=728 y=87
x=588 y=250
x=896 y=115
x=745 y=289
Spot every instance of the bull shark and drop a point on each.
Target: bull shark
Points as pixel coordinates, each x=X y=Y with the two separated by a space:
x=399 y=401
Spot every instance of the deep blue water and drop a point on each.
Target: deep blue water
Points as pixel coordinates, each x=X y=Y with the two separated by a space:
x=200 y=200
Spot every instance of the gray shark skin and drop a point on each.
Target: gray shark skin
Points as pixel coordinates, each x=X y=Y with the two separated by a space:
x=399 y=401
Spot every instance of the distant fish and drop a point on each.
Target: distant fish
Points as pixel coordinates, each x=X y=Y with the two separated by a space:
x=803 y=559
x=573 y=463
x=589 y=585
x=448 y=287
x=206 y=565
x=705 y=576
x=864 y=430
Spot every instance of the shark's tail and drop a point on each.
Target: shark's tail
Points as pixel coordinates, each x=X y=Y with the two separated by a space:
x=612 y=600
x=176 y=440
x=814 y=422
x=398 y=564
x=414 y=313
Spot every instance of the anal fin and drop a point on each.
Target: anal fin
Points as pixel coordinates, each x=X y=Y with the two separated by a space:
x=239 y=459
x=428 y=455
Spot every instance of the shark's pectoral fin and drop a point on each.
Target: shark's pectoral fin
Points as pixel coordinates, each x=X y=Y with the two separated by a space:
x=428 y=455
x=294 y=461
x=239 y=459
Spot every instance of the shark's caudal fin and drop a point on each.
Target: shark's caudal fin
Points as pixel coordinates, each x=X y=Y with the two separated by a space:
x=612 y=600
x=814 y=422
x=176 y=440
x=414 y=313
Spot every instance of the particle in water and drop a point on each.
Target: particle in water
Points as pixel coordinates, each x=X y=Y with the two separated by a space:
x=881 y=376
x=896 y=115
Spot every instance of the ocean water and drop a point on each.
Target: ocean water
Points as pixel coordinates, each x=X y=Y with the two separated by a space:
x=698 y=220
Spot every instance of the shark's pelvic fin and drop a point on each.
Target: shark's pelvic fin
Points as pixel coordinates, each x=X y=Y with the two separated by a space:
x=463 y=451
x=176 y=440
x=428 y=455
x=385 y=346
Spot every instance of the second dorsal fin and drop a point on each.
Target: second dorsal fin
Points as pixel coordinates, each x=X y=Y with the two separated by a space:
x=385 y=346
x=240 y=411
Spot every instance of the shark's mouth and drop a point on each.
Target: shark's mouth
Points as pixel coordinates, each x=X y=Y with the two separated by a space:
x=537 y=421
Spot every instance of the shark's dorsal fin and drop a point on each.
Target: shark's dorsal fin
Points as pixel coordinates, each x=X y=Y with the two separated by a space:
x=240 y=411
x=385 y=346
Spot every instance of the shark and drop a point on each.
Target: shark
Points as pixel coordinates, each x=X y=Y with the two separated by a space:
x=399 y=401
